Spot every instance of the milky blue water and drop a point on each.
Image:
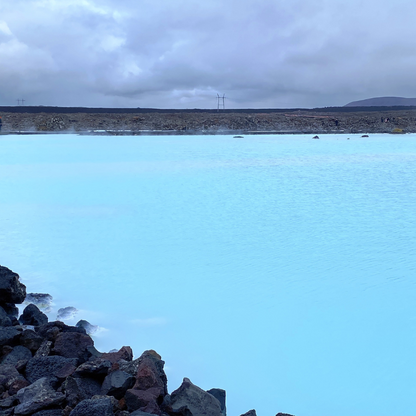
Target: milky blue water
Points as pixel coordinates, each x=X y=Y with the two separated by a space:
x=279 y=268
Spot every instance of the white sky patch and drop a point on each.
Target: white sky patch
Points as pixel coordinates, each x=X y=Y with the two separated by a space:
x=111 y=43
x=146 y=322
x=4 y=28
x=64 y=4
x=17 y=57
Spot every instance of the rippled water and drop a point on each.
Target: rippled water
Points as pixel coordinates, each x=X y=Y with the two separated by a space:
x=279 y=268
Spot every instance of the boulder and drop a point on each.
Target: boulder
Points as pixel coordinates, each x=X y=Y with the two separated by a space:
x=30 y=339
x=250 y=413
x=78 y=389
x=97 y=368
x=33 y=316
x=17 y=385
x=9 y=335
x=8 y=374
x=283 y=414
x=190 y=400
x=142 y=400
x=219 y=394
x=57 y=327
x=117 y=383
x=11 y=290
x=4 y=318
x=151 y=384
x=98 y=407
x=44 y=349
x=37 y=396
x=150 y=373
x=17 y=354
x=124 y=353
x=129 y=367
x=73 y=345
x=8 y=402
x=56 y=366
x=11 y=309
x=89 y=328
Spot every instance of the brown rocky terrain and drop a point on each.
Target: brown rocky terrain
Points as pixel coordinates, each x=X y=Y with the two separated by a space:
x=145 y=121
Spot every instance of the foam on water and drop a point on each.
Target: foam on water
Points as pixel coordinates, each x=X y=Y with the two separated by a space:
x=279 y=268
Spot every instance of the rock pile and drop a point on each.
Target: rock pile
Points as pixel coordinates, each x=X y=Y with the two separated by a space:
x=52 y=369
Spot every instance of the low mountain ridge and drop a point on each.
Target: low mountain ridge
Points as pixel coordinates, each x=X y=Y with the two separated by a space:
x=383 y=102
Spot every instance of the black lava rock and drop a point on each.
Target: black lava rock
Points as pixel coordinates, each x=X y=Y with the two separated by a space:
x=56 y=366
x=89 y=407
x=11 y=290
x=33 y=316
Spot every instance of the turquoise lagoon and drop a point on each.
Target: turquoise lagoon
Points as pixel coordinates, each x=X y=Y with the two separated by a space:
x=279 y=268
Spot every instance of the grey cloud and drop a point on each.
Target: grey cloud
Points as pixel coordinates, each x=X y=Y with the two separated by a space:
x=269 y=53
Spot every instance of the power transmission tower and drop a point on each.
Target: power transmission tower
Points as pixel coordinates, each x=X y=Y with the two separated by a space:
x=220 y=102
x=18 y=102
x=23 y=102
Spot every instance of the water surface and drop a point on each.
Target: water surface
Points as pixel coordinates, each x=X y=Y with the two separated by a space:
x=279 y=268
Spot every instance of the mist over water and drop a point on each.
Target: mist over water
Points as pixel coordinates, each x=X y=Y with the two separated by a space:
x=279 y=268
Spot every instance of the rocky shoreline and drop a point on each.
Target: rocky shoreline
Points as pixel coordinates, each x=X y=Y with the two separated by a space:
x=52 y=369
x=147 y=121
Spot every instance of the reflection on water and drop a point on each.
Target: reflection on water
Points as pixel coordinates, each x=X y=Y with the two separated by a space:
x=277 y=267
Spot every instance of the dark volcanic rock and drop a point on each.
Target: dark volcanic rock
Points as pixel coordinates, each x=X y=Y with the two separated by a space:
x=8 y=374
x=37 y=396
x=11 y=309
x=283 y=414
x=11 y=290
x=78 y=389
x=98 y=407
x=44 y=349
x=140 y=413
x=117 y=383
x=220 y=395
x=124 y=353
x=4 y=318
x=17 y=385
x=151 y=384
x=97 y=368
x=150 y=373
x=142 y=400
x=17 y=354
x=9 y=335
x=9 y=402
x=89 y=328
x=190 y=400
x=56 y=327
x=250 y=413
x=56 y=366
x=73 y=345
x=30 y=339
x=33 y=316
x=49 y=412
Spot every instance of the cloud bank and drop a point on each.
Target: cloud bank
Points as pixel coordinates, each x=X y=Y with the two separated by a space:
x=182 y=53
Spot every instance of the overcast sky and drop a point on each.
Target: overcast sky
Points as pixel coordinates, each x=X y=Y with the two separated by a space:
x=182 y=53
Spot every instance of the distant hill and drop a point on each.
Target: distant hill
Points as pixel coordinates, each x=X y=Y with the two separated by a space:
x=383 y=102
